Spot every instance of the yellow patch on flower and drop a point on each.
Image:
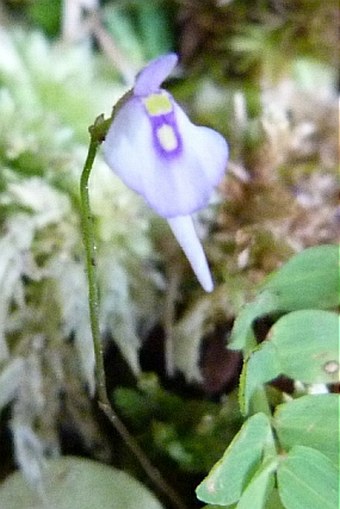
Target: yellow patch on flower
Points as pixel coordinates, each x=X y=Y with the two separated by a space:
x=158 y=104
x=167 y=137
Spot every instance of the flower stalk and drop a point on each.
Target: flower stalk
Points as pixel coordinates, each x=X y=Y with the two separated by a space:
x=97 y=132
x=150 y=143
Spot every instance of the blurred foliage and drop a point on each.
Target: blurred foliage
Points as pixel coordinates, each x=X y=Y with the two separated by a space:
x=192 y=433
x=258 y=39
x=141 y=28
x=46 y=15
x=264 y=73
x=40 y=14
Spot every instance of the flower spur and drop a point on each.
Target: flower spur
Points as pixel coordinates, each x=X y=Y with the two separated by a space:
x=175 y=165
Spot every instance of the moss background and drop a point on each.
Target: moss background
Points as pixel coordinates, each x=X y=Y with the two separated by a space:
x=264 y=74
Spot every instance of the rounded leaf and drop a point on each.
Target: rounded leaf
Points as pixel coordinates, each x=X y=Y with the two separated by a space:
x=312 y=421
x=307 y=347
x=307 y=479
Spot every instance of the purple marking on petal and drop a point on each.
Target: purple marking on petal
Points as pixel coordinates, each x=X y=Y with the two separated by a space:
x=152 y=76
x=157 y=123
x=170 y=145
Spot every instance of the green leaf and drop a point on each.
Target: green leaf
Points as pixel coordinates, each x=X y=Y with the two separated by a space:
x=307 y=345
x=311 y=421
x=274 y=501
x=302 y=345
x=260 y=486
x=263 y=365
x=78 y=483
x=231 y=474
x=307 y=479
x=309 y=280
x=241 y=334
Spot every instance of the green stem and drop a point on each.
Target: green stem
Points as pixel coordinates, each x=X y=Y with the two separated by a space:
x=103 y=400
x=88 y=239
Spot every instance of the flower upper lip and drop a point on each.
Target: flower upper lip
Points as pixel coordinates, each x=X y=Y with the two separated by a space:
x=152 y=76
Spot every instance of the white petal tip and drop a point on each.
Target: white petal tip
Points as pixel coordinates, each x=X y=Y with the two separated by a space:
x=208 y=286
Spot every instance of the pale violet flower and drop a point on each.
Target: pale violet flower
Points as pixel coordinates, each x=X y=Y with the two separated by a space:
x=175 y=165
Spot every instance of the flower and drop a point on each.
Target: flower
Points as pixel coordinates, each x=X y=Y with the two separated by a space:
x=175 y=165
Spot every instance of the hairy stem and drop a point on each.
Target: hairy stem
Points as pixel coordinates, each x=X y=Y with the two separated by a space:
x=104 y=402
